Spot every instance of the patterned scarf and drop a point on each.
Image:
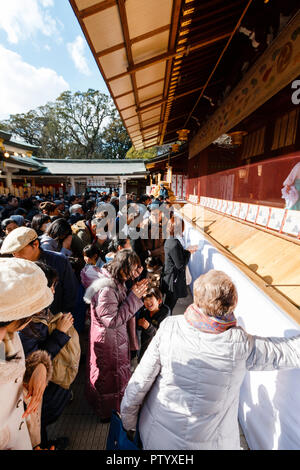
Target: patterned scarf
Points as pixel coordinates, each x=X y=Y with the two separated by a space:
x=195 y=317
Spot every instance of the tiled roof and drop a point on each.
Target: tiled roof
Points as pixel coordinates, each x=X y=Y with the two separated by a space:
x=91 y=167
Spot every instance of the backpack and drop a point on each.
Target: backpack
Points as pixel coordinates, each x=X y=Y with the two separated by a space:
x=66 y=362
x=80 y=225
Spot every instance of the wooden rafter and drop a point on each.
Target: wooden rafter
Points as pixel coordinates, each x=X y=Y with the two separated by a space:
x=168 y=55
x=151 y=138
x=125 y=29
x=176 y=97
x=150 y=34
x=132 y=41
x=96 y=8
x=140 y=88
x=90 y=43
x=172 y=44
x=152 y=125
x=220 y=58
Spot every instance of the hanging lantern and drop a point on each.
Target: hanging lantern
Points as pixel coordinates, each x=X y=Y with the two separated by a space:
x=175 y=148
x=6 y=155
x=183 y=134
x=242 y=173
x=237 y=137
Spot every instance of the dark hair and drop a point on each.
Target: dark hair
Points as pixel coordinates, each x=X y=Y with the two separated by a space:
x=90 y=204
x=144 y=198
x=47 y=206
x=105 y=198
x=153 y=292
x=20 y=211
x=59 y=229
x=115 y=243
x=6 y=222
x=11 y=197
x=91 y=250
x=124 y=261
x=50 y=273
x=38 y=221
x=72 y=198
x=153 y=262
x=20 y=323
x=35 y=240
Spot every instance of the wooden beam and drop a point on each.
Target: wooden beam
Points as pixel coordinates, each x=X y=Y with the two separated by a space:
x=219 y=59
x=172 y=44
x=110 y=50
x=151 y=105
x=151 y=138
x=142 y=37
x=152 y=98
x=125 y=29
x=90 y=43
x=175 y=97
x=144 y=120
x=127 y=107
x=150 y=34
x=140 y=88
x=168 y=55
x=152 y=125
x=86 y=12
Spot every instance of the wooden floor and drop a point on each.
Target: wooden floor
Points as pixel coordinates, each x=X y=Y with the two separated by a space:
x=78 y=421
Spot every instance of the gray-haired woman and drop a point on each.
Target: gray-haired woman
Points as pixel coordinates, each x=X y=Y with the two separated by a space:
x=188 y=381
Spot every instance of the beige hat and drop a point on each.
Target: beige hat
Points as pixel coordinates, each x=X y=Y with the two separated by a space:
x=24 y=289
x=17 y=240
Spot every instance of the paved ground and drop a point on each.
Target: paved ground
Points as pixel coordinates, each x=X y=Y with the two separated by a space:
x=79 y=422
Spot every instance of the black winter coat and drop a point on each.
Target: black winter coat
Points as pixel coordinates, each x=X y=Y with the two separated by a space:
x=145 y=336
x=66 y=291
x=176 y=260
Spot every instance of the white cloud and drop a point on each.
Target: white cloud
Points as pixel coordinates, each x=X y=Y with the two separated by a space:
x=24 y=87
x=21 y=19
x=76 y=50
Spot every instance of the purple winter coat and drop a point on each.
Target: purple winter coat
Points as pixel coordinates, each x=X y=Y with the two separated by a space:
x=108 y=368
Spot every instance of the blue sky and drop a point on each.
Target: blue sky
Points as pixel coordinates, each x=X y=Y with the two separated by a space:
x=42 y=53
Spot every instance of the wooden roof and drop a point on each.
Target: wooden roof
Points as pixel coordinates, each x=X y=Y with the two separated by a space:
x=162 y=59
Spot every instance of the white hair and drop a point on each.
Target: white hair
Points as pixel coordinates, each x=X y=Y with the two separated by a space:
x=74 y=208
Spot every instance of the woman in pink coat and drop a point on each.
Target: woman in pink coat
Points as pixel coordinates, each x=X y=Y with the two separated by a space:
x=109 y=350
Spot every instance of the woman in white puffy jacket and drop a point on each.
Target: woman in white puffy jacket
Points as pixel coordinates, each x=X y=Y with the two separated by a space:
x=188 y=381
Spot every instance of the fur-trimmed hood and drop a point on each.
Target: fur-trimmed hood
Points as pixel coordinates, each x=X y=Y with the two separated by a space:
x=96 y=286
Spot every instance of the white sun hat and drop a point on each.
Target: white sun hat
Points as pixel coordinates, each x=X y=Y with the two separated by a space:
x=24 y=289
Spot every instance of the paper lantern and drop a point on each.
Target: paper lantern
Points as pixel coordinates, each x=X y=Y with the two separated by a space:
x=183 y=134
x=237 y=137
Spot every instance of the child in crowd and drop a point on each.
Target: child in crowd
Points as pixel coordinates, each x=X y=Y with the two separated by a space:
x=90 y=272
x=150 y=316
x=117 y=244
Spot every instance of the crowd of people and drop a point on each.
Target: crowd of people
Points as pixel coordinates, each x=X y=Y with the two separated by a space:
x=114 y=267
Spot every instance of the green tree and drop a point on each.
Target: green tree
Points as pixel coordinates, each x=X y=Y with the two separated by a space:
x=84 y=115
x=144 y=154
x=115 y=140
x=28 y=126
x=78 y=125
